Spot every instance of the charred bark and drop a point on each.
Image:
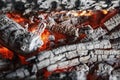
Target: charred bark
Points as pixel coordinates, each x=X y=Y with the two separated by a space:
x=16 y=38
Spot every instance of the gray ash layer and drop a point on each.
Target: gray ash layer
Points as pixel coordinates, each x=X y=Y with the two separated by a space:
x=27 y=6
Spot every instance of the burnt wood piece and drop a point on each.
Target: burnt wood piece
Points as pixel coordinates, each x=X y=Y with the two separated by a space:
x=67 y=56
x=16 y=38
x=72 y=55
x=99 y=44
x=66 y=61
x=66 y=27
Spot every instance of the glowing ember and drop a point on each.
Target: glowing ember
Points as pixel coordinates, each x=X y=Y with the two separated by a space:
x=45 y=38
x=104 y=11
x=5 y=53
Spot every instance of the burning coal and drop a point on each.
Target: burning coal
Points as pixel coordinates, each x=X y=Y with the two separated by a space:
x=56 y=42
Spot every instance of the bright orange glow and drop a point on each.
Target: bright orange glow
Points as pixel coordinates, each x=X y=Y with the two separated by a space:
x=45 y=38
x=86 y=13
x=5 y=53
x=83 y=13
x=16 y=17
x=59 y=36
x=46 y=73
x=22 y=59
x=104 y=11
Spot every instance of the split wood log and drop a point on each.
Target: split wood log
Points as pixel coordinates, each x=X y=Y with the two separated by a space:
x=16 y=38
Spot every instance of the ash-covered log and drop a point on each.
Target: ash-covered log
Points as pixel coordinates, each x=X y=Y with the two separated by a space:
x=72 y=55
x=113 y=22
x=16 y=38
x=91 y=57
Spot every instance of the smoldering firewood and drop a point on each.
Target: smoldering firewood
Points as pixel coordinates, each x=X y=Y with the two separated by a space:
x=16 y=38
x=113 y=22
x=103 y=44
x=97 y=56
x=60 y=62
x=25 y=73
x=73 y=55
x=66 y=27
x=99 y=44
x=69 y=59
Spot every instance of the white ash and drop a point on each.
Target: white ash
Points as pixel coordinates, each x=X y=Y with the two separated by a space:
x=115 y=35
x=29 y=6
x=51 y=37
x=59 y=64
x=113 y=22
x=19 y=73
x=82 y=73
x=104 y=69
x=97 y=33
x=115 y=74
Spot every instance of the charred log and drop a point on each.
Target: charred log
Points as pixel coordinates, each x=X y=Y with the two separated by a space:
x=16 y=38
x=67 y=27
x=72 y=55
